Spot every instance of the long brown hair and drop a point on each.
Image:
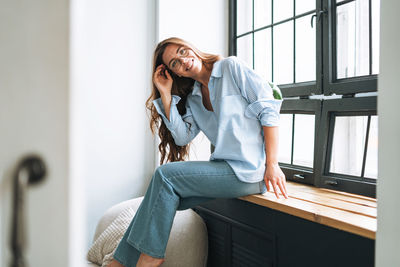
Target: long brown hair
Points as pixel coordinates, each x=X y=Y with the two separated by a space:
x=182 y=87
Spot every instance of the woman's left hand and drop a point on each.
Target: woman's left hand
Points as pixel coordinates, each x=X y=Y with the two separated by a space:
x=275 y=176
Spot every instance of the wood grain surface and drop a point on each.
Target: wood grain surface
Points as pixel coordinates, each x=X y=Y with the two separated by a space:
x=348 y=212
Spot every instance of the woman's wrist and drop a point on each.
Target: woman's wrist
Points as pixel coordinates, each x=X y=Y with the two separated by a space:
x=166 y=96
x=270 y=163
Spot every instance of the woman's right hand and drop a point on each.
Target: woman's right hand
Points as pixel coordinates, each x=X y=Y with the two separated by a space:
x=163 y=80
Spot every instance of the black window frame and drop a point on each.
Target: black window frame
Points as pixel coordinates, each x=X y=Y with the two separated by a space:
x=331 y=84
x=361 y=106
x=299 y=97
x=302 y=106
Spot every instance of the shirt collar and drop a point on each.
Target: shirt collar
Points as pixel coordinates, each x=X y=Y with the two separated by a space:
x=217 y=69
x=196 y=88
x=216 y=73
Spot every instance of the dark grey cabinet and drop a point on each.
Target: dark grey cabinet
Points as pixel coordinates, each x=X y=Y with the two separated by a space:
x=246 y=235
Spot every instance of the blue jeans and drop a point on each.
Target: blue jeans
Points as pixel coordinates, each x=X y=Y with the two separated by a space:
x=177 y=186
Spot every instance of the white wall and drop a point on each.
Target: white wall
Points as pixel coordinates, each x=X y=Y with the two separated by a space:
x=205 y=25
x=112 y=147
x=388 y=193
x=34 y=118
x=202 y=23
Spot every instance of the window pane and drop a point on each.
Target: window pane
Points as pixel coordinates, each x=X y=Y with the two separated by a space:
x=285 y=138
x=303 y=151
x=245 y=49
x=262 y=13
x=244 y=16
x=263 y=54
x=283 y=9
x=305 y=50
x=283 y=53
x=371 y=163
x=303 y=6
x=352 y=43
x=375 y=35
x=348 y=145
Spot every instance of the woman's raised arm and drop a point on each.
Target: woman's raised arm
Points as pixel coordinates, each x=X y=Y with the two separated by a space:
x=183 y=128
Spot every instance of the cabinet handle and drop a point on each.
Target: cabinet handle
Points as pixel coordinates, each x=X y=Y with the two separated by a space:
x=331 y=182
x=298 y=176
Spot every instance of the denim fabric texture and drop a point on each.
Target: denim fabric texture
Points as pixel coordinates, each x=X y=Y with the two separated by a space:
x=177 y=186
x=243 y=102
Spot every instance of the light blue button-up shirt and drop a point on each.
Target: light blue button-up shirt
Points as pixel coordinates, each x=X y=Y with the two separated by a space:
x=242 y=102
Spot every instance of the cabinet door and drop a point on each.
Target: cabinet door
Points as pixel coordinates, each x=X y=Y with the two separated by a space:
x=234 y=244
x=251 y=248
x=218 y=241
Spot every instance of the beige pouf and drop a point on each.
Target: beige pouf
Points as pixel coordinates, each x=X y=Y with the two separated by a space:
x=187 y=244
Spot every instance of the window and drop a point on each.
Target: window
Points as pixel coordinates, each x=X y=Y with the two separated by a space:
x=323 y=54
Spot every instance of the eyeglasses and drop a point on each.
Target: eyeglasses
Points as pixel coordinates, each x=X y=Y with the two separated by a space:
x=177 y=62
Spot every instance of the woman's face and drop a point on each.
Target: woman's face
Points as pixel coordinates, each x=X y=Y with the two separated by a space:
x=182 y=60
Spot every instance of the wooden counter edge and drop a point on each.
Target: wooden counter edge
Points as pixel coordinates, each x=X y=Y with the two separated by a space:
x=341 y=224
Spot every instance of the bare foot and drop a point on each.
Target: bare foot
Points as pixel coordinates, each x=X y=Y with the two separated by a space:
x=115 y=263
x=148 y=261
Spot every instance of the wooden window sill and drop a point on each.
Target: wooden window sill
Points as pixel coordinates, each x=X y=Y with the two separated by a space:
x=348 y=212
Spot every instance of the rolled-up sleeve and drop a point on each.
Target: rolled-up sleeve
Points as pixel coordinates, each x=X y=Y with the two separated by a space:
x=183 y=128
x=264 y=98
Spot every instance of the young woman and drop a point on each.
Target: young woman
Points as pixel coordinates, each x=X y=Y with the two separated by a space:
x=236 y=109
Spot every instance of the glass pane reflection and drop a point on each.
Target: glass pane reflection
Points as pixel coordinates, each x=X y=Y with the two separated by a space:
x=285 y=138
x=244 y=16
x=305 y=50
x=303 y=151
x=245 y=49
x=262 y=13
x=303 y=6
x=348 y=145
x=283 y=53
x=371 y=162
x=283 y=9
x=263 y=54
x=375 y=9
x=352 y=42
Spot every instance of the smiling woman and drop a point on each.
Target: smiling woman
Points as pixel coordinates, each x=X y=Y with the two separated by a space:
x=236 y=109
x=175 y=54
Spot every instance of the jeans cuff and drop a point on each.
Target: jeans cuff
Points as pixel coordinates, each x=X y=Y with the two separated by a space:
x=145 y=251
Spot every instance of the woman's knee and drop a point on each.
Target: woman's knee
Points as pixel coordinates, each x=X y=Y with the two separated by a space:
x=161 y=174
x=168 y=170
x=163 y=177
